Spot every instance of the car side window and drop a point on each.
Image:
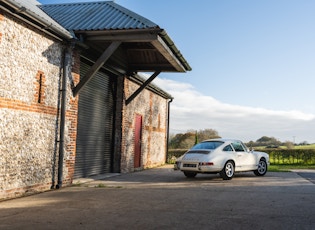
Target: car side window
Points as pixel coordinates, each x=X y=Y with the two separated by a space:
x=228 y=148
x=238 y=147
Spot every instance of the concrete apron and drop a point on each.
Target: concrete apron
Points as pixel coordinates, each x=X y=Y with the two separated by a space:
x=161 y=198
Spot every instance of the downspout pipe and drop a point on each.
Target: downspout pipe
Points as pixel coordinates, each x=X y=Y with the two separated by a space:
x=168 y=125
x=66 y=68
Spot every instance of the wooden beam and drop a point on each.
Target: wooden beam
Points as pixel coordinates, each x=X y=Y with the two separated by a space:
x=160 y=45
x=97 y=65
x=140 y=67
x=152 y=49
x=154 y=75
x=123 y=37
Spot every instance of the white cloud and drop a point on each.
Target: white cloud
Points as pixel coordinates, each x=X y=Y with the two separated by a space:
x=192 y=110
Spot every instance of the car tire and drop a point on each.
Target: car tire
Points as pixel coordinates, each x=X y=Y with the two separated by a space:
x=227 y=172
x=190 y=174
x=262 y=168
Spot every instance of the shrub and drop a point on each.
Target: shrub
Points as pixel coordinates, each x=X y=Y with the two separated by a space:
x=173 y=154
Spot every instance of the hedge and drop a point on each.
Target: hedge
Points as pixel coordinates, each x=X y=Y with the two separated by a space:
x=291 y=156
x=277 y=156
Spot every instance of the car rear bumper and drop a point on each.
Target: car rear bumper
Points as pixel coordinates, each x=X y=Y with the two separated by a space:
x=195 y=167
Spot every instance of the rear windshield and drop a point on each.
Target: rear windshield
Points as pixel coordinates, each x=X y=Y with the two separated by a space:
x=207 y=145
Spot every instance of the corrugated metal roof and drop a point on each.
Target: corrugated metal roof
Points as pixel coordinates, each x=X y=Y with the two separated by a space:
x=30 y=9
x=102 y=15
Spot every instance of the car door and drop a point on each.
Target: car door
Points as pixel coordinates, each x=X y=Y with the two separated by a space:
x=244 y=160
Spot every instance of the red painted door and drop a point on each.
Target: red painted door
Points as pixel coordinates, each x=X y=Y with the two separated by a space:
x=138 y=132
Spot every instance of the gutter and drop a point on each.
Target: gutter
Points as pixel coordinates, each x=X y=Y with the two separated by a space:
x=50 y=27
x=174 y=49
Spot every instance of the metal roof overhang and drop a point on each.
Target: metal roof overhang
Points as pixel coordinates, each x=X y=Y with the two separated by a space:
x=149 y=50
x=146 y=50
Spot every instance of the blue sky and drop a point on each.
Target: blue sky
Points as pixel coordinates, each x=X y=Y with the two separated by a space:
x=253 y=65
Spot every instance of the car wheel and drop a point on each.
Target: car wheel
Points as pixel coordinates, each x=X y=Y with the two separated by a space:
x=262 y=168
x=228 y=171
x=190 y=174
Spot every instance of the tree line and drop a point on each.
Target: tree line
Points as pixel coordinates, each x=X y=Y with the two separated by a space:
x=191 y=137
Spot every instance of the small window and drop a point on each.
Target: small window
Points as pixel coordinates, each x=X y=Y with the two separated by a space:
x=40 y=87
x=238 y=147
x=228 y=148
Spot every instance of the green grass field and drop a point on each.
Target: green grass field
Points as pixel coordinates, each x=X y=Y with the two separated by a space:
x=312 y=146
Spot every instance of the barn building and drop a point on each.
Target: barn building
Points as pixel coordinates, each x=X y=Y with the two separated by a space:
x=73 y=103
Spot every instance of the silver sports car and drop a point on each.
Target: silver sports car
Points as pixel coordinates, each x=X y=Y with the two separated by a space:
x=224 y=156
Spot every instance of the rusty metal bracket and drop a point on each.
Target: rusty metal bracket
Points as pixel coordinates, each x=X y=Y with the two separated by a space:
x=154 y=75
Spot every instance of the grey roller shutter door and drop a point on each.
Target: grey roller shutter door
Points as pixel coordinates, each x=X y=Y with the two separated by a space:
x=95 y=126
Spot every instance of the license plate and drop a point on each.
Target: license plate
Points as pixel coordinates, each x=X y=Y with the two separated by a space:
x=190 y=165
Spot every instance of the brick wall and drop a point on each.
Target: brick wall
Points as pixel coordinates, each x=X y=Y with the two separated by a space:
x=30 y=79
x=153 y=109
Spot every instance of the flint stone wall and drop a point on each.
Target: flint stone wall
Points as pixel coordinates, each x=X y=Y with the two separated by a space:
x=153 y=109
x=28 y=109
